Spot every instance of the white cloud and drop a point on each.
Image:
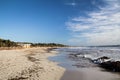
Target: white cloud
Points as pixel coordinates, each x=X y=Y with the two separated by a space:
x=100 y=28
x=71 y=4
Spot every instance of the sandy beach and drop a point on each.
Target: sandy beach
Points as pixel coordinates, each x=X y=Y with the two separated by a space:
x=29 y=64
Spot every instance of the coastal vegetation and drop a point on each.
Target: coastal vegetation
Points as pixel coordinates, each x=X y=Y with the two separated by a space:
x=47 y=45
x=7 y=43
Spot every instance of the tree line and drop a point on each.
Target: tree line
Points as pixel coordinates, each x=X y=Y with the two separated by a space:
x=7 y=43
x=47 y=45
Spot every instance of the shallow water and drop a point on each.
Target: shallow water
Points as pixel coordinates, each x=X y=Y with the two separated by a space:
x=86 y=70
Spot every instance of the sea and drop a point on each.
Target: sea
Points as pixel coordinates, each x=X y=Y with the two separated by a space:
x=81 y=67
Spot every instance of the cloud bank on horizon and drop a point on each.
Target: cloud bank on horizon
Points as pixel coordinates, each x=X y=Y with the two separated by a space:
x=100 y=27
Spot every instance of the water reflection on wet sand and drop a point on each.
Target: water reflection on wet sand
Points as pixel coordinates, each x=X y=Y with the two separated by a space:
x=89 y=74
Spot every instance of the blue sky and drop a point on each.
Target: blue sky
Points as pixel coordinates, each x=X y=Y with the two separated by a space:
x=74 y=22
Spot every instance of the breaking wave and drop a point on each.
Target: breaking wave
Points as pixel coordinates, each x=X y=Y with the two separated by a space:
x=96 y=52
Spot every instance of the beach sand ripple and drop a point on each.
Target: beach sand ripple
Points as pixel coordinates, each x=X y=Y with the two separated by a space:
x=29 y=64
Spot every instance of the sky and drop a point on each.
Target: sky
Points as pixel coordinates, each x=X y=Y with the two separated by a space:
x=71 y=22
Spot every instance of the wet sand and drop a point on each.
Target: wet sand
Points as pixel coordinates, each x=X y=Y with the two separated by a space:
x=72 y=75
x=89 y=74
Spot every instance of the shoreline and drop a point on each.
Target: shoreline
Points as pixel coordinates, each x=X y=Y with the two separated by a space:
x=29 y=64
x=82 y=69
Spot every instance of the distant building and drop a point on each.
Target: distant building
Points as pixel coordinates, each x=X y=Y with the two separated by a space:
x=24 y=45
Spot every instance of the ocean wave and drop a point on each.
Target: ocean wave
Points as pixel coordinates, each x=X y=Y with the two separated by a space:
x=96 y=52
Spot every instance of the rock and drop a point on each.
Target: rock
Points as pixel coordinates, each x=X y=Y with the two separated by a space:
x=113 y=66
x=107 y=63
x=101 y=60
x=104 y=57
x=76 y=55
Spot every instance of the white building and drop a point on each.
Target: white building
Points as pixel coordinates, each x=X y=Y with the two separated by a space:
x=24 y=45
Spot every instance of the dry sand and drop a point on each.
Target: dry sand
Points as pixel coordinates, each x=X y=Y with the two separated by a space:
x=29 y=64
